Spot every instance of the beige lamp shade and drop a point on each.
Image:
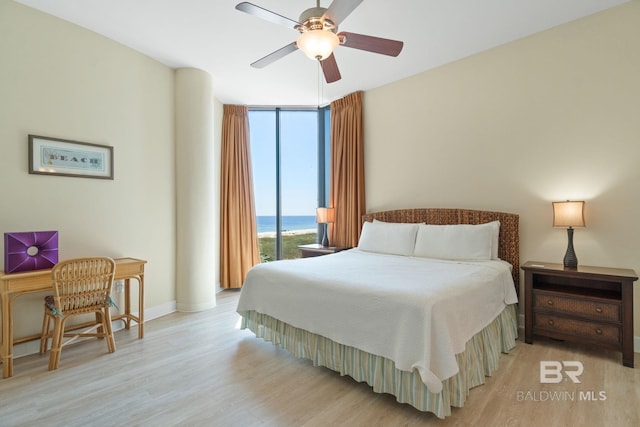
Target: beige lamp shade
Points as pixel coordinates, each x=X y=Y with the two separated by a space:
x=568 y=214
x=325 y=215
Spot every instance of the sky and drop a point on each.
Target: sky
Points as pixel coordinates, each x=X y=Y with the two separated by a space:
x=299 y=161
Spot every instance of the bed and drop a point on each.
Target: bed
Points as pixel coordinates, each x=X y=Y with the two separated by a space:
x=421 y=309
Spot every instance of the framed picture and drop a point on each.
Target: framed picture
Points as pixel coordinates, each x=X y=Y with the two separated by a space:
x=53 y=156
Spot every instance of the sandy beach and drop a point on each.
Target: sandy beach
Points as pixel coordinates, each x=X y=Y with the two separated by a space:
x=272 y=234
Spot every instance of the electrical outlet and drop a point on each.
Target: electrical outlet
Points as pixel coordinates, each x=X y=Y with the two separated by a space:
x=119 y=286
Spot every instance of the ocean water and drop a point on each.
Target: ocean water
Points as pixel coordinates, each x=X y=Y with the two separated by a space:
x=289 y=223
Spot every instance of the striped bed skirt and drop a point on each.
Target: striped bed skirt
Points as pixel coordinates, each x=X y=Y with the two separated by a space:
x=480 y=359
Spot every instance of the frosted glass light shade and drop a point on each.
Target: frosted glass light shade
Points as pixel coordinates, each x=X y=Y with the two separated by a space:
x=318 y=44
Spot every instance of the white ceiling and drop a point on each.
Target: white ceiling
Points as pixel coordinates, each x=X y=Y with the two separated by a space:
x=213 y=36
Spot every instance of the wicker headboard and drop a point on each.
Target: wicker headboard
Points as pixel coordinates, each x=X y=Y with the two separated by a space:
x=509 y=240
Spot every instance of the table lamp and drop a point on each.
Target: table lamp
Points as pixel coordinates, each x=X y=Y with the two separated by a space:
x=325 y=216
x=569 y=214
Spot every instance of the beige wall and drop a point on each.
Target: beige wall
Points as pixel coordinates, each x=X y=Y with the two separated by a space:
x=550 y=117
x=59 y=80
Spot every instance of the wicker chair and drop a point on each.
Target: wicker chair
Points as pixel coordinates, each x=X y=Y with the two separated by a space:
x=81 y=286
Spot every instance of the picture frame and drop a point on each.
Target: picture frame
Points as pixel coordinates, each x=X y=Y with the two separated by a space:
x=63 y=157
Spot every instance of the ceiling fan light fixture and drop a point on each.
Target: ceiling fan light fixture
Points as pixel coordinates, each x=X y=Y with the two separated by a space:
x=319 y=37
x=318 y=44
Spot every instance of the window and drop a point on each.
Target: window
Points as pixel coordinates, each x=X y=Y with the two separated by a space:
x=289 y=156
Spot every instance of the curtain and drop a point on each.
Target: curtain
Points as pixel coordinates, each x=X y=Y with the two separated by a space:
x=238 y=230
x=347 y=195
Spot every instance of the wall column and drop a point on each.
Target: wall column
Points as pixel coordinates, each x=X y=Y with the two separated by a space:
x=195 y=188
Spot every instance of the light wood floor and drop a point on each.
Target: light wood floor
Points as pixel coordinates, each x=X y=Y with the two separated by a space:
x=198 y=369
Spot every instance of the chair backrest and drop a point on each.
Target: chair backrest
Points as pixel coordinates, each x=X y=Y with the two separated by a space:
x=82 y=284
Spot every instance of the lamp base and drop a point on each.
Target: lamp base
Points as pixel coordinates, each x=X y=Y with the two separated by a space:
x=570 y=259
x=325 y=237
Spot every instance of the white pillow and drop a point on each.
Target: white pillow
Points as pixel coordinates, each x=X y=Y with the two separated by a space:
x=495 y=240
x=388 y=238
x=458 y=242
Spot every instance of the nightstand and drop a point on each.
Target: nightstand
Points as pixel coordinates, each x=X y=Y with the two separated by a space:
x=590 y=305
x=316 y=249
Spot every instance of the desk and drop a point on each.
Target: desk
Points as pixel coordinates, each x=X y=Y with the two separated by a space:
x=14 y=285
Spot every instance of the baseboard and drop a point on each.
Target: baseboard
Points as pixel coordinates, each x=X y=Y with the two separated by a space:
x=159 y=311
x=636 y=339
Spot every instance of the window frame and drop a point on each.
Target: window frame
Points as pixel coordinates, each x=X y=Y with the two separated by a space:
x=323 y=158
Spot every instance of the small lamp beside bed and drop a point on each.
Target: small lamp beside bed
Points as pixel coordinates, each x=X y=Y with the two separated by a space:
x=569 y=214
x=325 y=216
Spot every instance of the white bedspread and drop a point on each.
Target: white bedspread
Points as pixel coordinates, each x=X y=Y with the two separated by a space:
x=417 y=312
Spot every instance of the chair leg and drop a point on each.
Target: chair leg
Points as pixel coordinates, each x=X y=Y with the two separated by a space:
x=100 y=328
x=56 y=345
x=111 y=337
x=44 y=337
x=108 y=330
x=103 y=320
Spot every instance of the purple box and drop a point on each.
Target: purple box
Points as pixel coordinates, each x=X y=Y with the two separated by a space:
x=32 y=250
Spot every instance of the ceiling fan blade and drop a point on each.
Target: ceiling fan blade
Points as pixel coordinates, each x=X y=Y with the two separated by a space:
x=265 y=14
x=274 y=56
x=340 y=9
x=371 y=44
x=330 y=69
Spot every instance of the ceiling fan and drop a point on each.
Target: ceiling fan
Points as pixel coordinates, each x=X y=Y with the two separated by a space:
x=318 y=38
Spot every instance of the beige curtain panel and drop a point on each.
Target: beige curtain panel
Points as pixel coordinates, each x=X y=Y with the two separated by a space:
x=347 y=195
x=238 y=230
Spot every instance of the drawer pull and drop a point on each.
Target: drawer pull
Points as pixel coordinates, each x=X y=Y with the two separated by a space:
x=550 y=302
x=550 y=322
x=599 y=309
x=598 y=331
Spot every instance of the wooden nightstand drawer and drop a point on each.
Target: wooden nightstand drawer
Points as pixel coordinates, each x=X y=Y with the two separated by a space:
x=591 y=330
x=588 y=305
x=585 y=307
